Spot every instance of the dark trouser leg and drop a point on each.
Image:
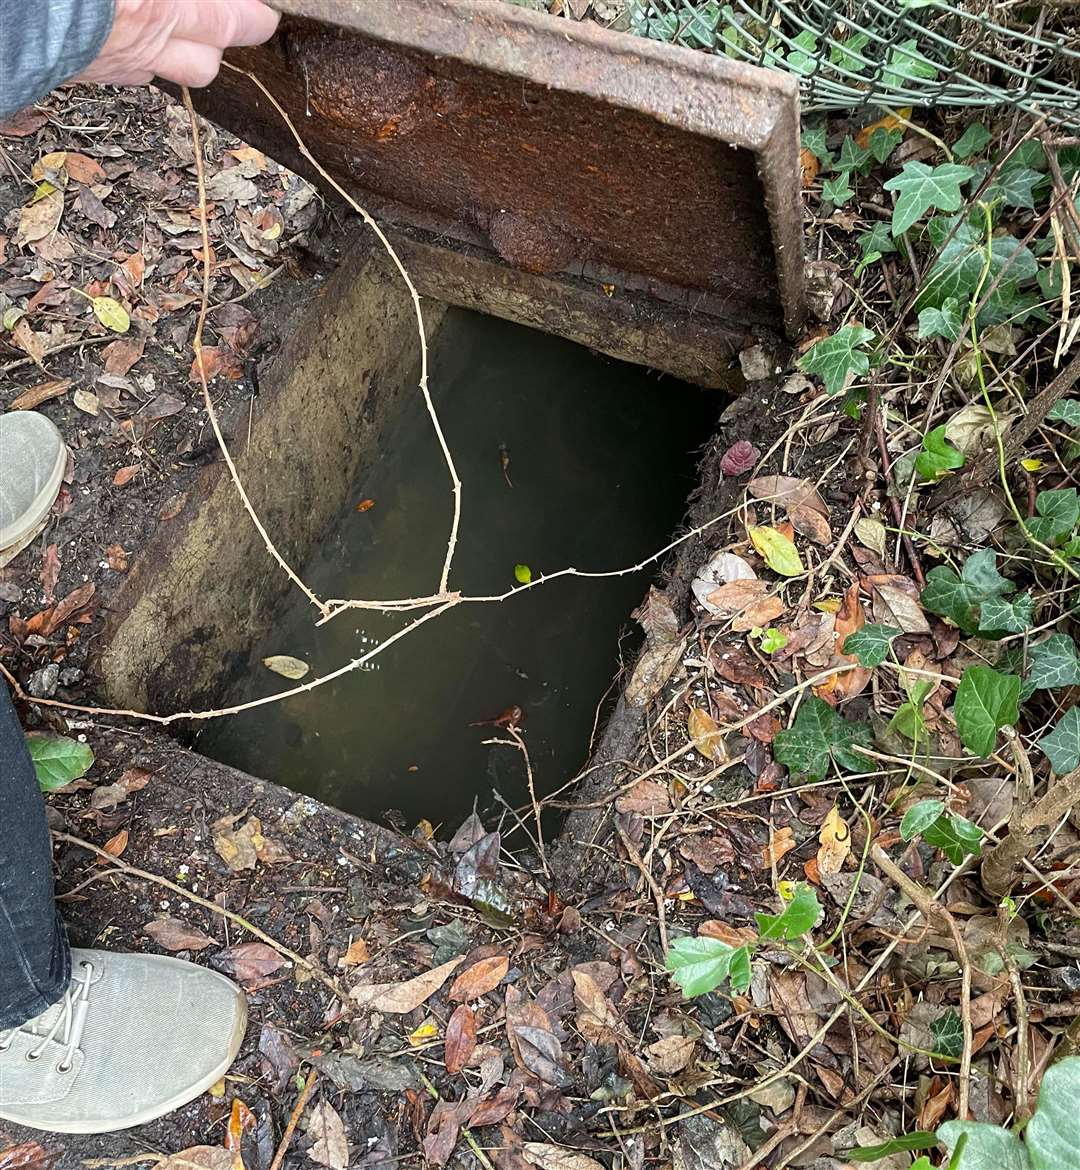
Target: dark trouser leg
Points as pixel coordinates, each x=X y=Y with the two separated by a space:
x=35 y=964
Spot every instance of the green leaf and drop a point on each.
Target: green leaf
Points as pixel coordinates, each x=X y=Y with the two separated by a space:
x=1054 y=663
x=837 y=191
x=920 y=188
x=803 y=58
x=58 y=760
x=955 y=836
x=870 y=644
x=974 y=140
x=958 y=597
x=938 y=455
x=522 y=574
x=945 y=322
x=883 y=142
x=985 y=701
x=835 y=358
x=998 y=617
x=1027 y=154
x=920 y=817
x=854 y=157
x=739 y=972
x=1062 y=745
x=819 y=735
x=878 y=239
x=700 y=965
x=848 y=54
x=773 y=640
x=1065 y=410
x=798 y=916
x=948 y=1033
x=989 y=1147
x=919 y=1140
x=813 y=140
x=111 y=314
x=1058 y=514
x=1052 y=1135
x=906 y=63
x=779 y=552
x=1012 y=187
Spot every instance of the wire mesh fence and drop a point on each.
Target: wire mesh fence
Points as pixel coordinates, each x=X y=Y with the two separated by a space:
x=848 y=53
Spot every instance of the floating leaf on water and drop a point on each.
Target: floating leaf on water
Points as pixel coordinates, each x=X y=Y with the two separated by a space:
x=286 y=665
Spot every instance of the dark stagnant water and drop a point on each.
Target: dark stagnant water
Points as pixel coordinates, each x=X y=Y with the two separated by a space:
x=601 y=459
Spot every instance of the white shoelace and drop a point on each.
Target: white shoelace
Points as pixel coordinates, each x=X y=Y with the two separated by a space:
x=68 y=1024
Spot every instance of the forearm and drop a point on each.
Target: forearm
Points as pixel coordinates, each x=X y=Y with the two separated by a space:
x=45 y=42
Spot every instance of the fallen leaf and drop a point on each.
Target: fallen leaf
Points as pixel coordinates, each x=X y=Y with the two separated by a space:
x=809 y=165
x=648 y=797
x=162 y=406
x=895 y=602
x=126 y=474
x=365 y=505
x=87 y=401
x=42 y=392
x=760 y=614
x=787 y=491
x=229 y=183
x=535 y=1046
x=707 y=736
x=50 y=573
x=331 y=1147
x=117 y=558
x=670 y=1055
x=217 y=360
x=286 y=665
x=888 y=123
x=116 y=844
x=240 y=1119
x=655 y=665
x=83 y=169
x=198 y=1158
x=549 y=1157
x=23 y=123
x=94 y=209
x=460 y=1038
x=730 y=600
x=834 y=843
x=122 y=354
x=809 y=522
x=66 y=609
x=174 y=935
x=479 y=979
x=249 y=962
x=779 y=552
x=399 y=998
x=357 y=953
x=28 y=341
x=783 y=841
x=111 y=314
x=871 y=532
x=173 y=506
x=597 y=1019
x=108 y=796
x=734 y=936
x=39 y=217
x=495 y=1109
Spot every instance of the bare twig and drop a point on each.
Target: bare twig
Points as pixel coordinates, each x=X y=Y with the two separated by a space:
x=294 y=1118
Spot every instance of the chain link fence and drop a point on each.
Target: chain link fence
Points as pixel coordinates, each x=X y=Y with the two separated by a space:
x=849 y=53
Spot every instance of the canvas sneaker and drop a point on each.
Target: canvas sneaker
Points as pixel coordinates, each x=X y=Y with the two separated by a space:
x=32 y=460
x=134 y=1037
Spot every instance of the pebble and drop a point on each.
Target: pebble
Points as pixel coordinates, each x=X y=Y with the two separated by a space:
x=42 y=684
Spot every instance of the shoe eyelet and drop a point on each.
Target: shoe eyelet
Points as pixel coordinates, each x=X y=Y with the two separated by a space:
x=32 y=1056
x=64 y=1067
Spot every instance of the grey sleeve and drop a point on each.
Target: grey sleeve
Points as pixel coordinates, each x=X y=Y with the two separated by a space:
x=44 y=42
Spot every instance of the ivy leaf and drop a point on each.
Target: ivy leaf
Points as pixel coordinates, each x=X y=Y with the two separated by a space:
x=1065 y=410
x=998 y=617
x=938 y=455
x=1054 y=663
x=870 y=643
x=955 y=836
x=834 y=359
x=957 y=597
x=854 y=157
x=920 y=188
x=1058 y=514
x=945 y=322
x=1052 y=1135
x=700 y=965
x=1027 y=154
x=985 y=701
x=813 y=140
x=988 y=1147
x=883 y=142
x=803 y=57
x=920 y=817
x=879 y=239
x=819 y=735
x=974 y=140
x=779 y=552
x=837 y=191
x=906 y=63
x=1011 y=186
x=58 y=760
x=1062 y=745
x=848 y=54
x=798 y=916
x=948 y=1033
x=905 y=1142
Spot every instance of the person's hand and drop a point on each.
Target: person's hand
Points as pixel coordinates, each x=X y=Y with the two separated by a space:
x=179 y=40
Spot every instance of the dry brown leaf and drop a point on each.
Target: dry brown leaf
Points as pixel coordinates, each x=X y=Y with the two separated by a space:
x=707 y=736
x=50 y=573
x=479 y=979
x=174 y=935
x=42 y=392
x=87 y=401
x=116 y=844
x=399 y=998
x=122 y=354
x=736 y=596
x=597 y=1019
x=734 y=936
x=653 y=668
x=496 y=1108
x=460 y=1038
x=241 y=848
x=835 y=843
x=38 y=218
x=331 y=1148
x=811 y=523
x=648 y=797
x=250 y=962
x=83 y=169
x=126 y=474
x=783 y=841
x=809 y=165
x=897 y=605
x=670 y=1055
x=198 y=1158
x=535 y=1046
x=23 y=123
x=550 y=1157
x=788 y=492
x=28 y=341
x=108 y=796
x=760 y=614
x=357 y=953
x=117 y=557
x=218 y=361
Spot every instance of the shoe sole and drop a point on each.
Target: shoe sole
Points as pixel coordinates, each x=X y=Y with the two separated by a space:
x=174 y=1103
x=39 y=509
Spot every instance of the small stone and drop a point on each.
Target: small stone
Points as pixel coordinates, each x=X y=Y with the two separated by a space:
x=70 y=675
x=42 y=684
x=10 y=592
x=755 y=364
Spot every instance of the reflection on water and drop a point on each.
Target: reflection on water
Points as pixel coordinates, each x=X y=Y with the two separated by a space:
x=599 y=456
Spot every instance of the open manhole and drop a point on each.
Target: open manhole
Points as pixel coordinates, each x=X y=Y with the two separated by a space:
x=639 y=200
